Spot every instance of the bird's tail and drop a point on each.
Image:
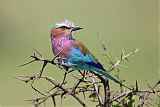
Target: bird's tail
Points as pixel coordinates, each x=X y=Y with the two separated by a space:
x=106 y=74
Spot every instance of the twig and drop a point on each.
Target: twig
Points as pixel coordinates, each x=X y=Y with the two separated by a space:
x=54 y=100
x=123 y=56
x=80 y=80
x=105 y=83
x=43 y=99
x=90 y=84
x=97 y=91
x=145 y=96
x=105 y=49
x=36 y=90
x=121 y=95
x=57 y=84
x=64 y=89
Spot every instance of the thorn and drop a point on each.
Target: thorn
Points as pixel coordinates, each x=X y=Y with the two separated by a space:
x=127 y=59
x=84 y=95
x=25 y=76
x=121 y=56
x=125 y=86
x=147 y=84
x=54 y=101
x=151 y=89
x=20 y=79
x=137 y=49
x=123 y=52
x=102 y=43
x=26 y=63
x=136 y=85
x=38 y=52
x=122 y=66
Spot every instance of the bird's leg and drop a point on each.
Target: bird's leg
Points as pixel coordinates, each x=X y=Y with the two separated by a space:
x=64 y=78
x=83 y=74
x=65 y=75
x=66 y=67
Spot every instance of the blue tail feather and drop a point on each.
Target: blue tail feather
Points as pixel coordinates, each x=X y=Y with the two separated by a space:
x=107 y=75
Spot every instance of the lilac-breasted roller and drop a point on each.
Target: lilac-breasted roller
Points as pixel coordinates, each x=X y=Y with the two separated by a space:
x=72 y=53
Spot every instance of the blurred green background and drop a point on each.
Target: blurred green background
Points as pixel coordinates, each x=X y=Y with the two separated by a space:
x=122 y=24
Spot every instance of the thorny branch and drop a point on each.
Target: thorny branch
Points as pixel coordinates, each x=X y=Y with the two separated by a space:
x=123 y=56
x=89 y=85
x=52 y=92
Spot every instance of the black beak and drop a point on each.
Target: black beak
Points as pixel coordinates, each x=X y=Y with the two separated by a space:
x=76 y=28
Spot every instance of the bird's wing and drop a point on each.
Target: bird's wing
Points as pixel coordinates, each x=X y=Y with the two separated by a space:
x=81 y=47
x=90 y=58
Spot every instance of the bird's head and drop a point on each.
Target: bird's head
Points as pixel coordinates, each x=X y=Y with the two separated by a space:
x=63 y=29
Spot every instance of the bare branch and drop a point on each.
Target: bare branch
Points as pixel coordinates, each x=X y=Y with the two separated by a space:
x=92 y=84
x=27 y=63
x=146 y=95
x=123 y=56
x=104 y=48
x=64 y=89
x=97 y=91
x=80 y=80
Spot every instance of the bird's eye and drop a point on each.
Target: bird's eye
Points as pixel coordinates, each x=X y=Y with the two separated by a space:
x=64 y=27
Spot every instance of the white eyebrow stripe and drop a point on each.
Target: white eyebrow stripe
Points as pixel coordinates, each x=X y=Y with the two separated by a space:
x=64 y=23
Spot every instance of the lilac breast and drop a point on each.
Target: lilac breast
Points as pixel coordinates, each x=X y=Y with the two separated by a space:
x=63 y=46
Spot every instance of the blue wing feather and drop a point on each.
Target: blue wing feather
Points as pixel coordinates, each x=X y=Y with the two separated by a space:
x=96 y=65
x=83 y=61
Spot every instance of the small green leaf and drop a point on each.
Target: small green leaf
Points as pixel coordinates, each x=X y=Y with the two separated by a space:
x=92 y=95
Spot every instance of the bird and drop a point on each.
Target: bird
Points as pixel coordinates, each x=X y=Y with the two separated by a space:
x=73 y=53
